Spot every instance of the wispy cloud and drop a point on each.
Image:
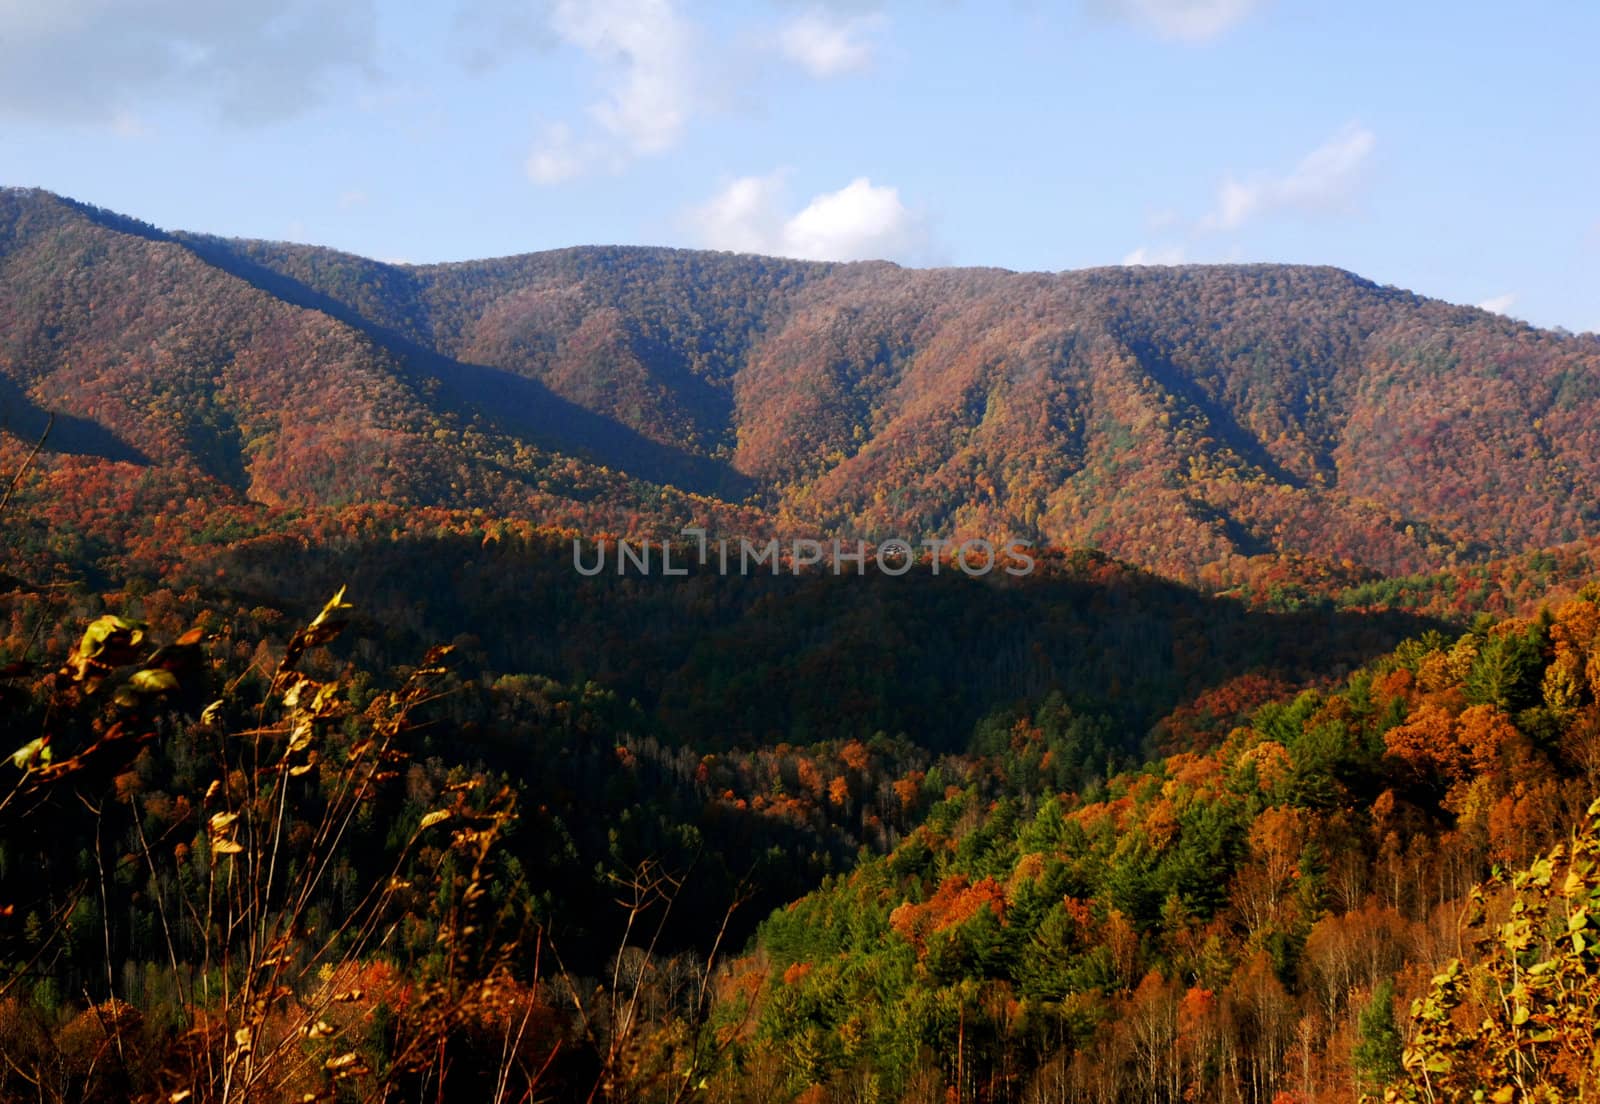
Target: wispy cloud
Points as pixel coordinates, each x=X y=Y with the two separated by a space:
x=1161 y=255
x=489 y=33
x=106 y=60
x=1192 y=21
x=1499 y=304
x=557 y=157
x=1326 y=179
x=1162 y=220
x=644 y=51
x=828 y=43
x=860 y=221
x=129 y=125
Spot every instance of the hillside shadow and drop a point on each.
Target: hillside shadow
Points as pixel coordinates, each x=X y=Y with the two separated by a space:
x=512 y=403
x=69 y=434
x=721 y=661
x=1222 y=421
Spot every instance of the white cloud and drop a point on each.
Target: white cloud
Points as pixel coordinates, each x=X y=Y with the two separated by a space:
x=858 y=221
x=1499 y=304
x=861 y=221
x=1181 y=20
x=745 y=217
x=557 y=157
x=826 y=44
x=1324 y=180
x=105 y=60
x=1167 y=255
x=645 y=49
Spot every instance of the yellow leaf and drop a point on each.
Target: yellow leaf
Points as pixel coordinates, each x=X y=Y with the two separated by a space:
x=34 y=753
x=153 y=682
x=433 y=818
x=300 y=739
x=105 y=629
x=291 y=696
x=325 y=697
x=335 y=605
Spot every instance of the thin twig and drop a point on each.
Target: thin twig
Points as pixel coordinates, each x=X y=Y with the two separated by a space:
x=17 y=479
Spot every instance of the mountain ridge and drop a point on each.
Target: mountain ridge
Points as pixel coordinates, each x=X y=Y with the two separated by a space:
x=1179 y=417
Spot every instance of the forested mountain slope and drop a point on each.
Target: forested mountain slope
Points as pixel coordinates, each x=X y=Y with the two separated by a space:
x=1176 y=417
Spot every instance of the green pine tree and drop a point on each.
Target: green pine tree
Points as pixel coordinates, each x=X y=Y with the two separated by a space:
x=1377 y=1051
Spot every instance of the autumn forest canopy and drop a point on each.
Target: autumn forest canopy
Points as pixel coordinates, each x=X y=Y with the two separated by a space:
x=1273 y=782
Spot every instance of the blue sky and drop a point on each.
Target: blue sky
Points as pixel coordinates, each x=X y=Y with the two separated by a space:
x=1451 y=148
